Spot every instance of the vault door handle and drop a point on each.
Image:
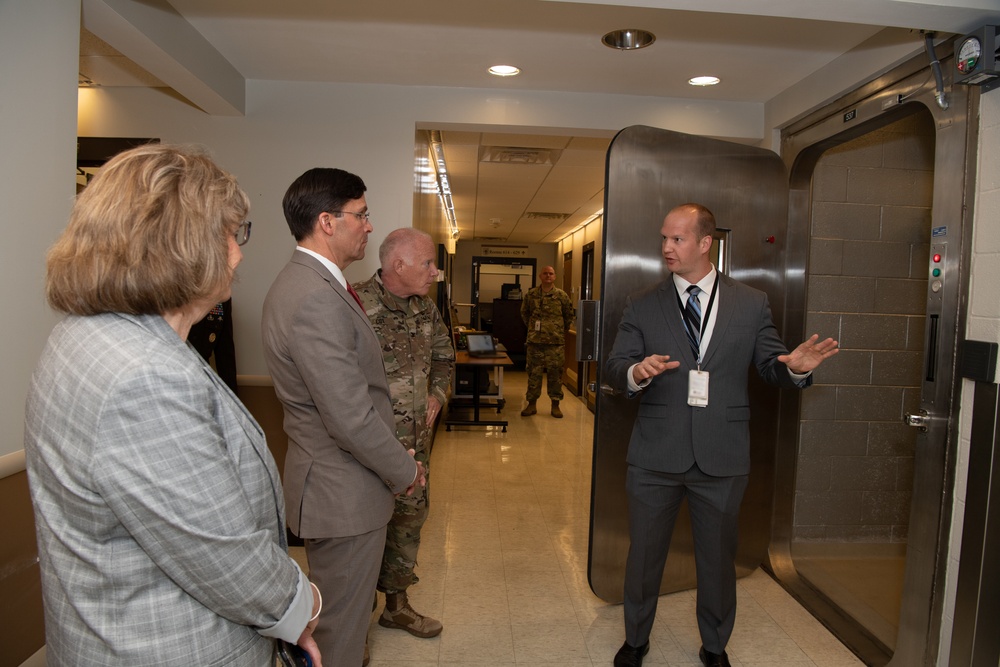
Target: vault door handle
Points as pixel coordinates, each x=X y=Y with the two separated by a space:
x=918 y=421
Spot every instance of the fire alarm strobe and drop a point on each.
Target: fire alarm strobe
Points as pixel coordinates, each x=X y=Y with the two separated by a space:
x=976 y=57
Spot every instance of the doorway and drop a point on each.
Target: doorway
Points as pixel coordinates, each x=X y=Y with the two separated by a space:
x=498 y=285
x=573 y=377
x=867 y=286
x=878 y=233
x=496 y=278
x=589 y=368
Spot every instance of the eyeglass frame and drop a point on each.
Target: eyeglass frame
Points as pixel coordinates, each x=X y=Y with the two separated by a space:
x=242 y=233
x=366 y=216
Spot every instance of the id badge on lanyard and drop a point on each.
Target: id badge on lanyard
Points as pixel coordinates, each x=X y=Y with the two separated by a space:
x=698 y=388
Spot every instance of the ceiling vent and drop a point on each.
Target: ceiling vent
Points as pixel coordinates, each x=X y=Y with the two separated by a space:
x=516 y=155
x=542 y=215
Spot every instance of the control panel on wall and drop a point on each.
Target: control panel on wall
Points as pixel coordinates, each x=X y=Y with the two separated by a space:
x=936 y=275
x=935 y=279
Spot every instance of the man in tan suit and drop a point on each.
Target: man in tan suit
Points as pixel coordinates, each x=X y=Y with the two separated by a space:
x=344 y=464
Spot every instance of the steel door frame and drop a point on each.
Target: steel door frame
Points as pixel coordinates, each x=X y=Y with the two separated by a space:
x=902 y=91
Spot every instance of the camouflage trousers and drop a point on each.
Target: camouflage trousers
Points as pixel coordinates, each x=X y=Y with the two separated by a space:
x=402 y=539
x=547 y=360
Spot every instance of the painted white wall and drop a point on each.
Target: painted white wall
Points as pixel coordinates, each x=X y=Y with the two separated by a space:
x=984 y=295
x=37 y=183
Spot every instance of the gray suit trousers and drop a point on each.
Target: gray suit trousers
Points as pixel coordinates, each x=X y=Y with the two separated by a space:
x=345 y=569
x=654 y=500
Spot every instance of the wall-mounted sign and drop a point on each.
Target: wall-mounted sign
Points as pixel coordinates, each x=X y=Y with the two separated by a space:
x=505 y=251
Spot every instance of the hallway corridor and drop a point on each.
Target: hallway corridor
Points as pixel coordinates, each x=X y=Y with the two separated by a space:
x=503 y=564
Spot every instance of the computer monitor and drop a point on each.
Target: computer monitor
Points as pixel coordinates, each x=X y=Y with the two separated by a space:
x=480 y=345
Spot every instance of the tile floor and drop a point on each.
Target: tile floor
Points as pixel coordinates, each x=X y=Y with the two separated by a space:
x=503 y=564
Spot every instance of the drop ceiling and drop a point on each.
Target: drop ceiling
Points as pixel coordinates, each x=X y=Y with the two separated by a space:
x=516 y=187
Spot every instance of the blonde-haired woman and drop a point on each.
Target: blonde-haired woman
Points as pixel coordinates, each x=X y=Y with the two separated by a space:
x=158 y=506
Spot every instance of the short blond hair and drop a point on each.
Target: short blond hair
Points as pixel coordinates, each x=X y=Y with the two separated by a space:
x=147 y=235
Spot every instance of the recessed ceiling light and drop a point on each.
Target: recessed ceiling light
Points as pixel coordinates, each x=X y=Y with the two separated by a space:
x=504 y=70
x=628 y=39
x=704 y=80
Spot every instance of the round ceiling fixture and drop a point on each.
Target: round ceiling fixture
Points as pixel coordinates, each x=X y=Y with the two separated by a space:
x=628 y=39
x=504 y=70
x=704 y=80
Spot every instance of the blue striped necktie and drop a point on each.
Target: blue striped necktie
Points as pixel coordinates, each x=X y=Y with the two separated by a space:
x=692 y=319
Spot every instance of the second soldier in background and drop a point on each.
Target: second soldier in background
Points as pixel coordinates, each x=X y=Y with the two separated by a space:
x=548 y=313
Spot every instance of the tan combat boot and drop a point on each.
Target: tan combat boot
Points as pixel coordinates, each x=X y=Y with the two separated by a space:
x=399 y=614
x=556 y=412
x=529 y=409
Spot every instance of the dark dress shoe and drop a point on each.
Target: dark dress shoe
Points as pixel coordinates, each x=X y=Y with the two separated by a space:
x=630 y=656
x=710 y=659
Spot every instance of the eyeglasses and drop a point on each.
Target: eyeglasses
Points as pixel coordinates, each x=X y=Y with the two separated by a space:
x=242 y=233
x=361 y=216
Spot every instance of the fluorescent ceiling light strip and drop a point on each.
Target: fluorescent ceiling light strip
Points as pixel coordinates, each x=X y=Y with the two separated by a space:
x=444 y=189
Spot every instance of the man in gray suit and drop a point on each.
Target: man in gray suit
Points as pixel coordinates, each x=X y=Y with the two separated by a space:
x=344 y=464
x=691 y=437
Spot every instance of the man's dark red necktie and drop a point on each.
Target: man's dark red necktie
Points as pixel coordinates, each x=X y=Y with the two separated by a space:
x=355 y=295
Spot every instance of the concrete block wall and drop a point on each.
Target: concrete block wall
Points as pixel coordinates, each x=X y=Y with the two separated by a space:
x=867 y=288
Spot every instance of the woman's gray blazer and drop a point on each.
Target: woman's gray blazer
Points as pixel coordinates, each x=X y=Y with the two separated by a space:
x=157 y=504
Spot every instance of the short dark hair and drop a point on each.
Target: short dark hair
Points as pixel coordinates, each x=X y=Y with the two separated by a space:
x=317 y=190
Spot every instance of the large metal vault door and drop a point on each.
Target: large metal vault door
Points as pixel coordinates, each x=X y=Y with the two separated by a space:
x=649 y=172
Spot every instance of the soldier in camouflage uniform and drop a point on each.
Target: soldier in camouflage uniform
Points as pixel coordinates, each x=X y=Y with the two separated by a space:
x=419 y=356
x=547 y=312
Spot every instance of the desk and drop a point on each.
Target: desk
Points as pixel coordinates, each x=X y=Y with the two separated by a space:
x=477 y=365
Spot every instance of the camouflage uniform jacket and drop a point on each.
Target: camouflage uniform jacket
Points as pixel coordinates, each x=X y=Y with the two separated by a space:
x=555 y=312
x=418 y=354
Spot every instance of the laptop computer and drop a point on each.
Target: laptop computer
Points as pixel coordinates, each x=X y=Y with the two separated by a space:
x=482 y=345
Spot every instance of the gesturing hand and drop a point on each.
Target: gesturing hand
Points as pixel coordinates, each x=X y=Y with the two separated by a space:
x=652 y=366
x=809 y=355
